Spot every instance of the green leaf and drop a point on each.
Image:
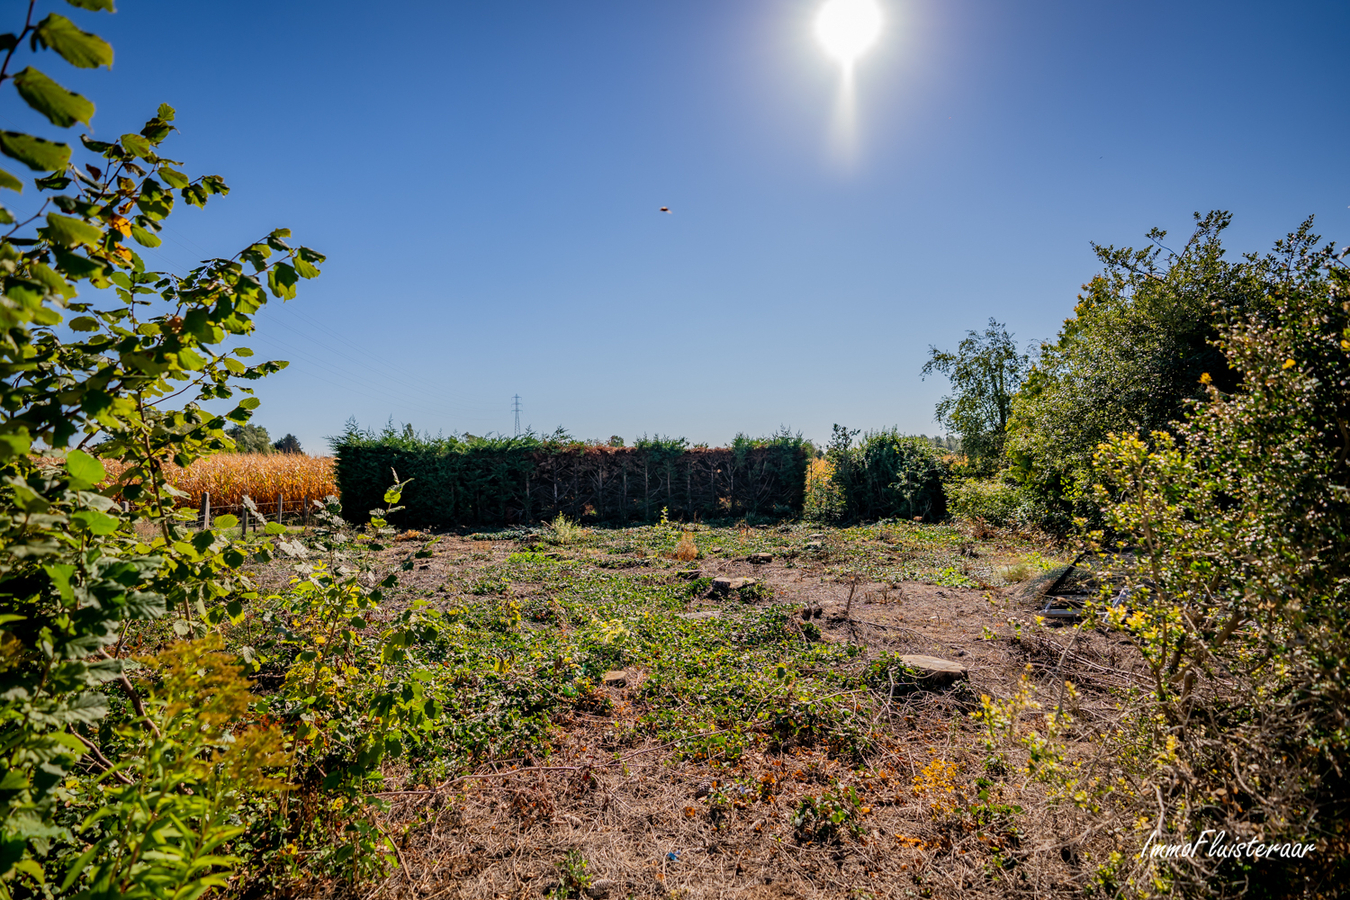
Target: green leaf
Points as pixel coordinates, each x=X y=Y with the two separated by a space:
x=191 y=360
x=9 y=181
x=77 y=267
x=67 y=232
x=225 y=521
x=281 y=278
x=156 y=130
x=86 y=707
x=96 y=5
x=62 y=108
x=50 y=280
x=34 y=152
x=79 y=48
x=173 y=178
x=84 y=468
x=143 y=237
x=6 y=218
x=165 y=111
x=305 y=268
x=137 y=145
x=94 y=521
x=275 y=528
x=83 y=323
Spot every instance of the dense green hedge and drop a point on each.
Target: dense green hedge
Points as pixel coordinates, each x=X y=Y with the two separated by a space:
x=504 y=481
x=888 y=476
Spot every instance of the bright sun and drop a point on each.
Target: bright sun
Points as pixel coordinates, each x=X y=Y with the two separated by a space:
x=847 y=28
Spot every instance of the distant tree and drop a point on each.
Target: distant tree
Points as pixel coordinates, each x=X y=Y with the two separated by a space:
x=985 y=371
x=250 y=439
x=289 y=444
x=615 y=440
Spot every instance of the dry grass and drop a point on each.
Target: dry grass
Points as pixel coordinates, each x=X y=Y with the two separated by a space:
x=655 y=827
x=685 y=551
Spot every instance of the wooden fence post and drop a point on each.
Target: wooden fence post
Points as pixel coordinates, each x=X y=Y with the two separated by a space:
x=307 y=505
x=281 y=508
x=206 y=510
x=243 y=519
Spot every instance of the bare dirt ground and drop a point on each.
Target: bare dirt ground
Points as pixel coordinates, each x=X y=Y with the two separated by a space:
x=613 y=812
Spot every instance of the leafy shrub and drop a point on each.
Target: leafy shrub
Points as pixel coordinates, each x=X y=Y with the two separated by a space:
x=827 y=819
x=755 y=592
x=77 y=571
x=165 y=815
x=824 y=498
x=565 y=531
x=888 y=475
x=995 y=501
x=1238 y=577
x=1128 y=360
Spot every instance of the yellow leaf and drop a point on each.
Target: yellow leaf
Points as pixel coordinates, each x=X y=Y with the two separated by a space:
x=121 y=225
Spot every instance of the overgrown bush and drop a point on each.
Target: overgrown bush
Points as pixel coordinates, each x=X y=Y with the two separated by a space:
x=888 y=476
x=1232 y=540
x=995 y=501
x=1129 y=359
x=824 y=498
x=1240 y=598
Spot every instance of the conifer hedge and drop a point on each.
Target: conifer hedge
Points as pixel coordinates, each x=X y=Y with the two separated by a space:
x=513 y=481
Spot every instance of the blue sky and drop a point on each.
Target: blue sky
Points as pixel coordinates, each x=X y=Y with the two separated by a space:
x=486 y=177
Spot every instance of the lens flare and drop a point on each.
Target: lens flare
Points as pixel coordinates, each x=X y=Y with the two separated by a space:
x=848 y=28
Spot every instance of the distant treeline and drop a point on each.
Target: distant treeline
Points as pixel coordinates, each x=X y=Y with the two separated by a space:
x=516 y=480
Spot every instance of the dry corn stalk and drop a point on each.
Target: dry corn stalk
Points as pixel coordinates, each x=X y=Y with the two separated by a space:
x=228 y=477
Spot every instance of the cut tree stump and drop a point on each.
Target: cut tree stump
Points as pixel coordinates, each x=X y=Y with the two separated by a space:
x=933 y=671
x=726 y=585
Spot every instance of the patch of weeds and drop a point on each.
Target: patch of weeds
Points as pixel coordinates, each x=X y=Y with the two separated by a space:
x=1013 y=574
x=533 y=557
x=573 y=877
x=566 y=532
x=827 y=819
x=952 y=576
x=544 y=611
x=491 y=584
x=755 y=592
x=699 y=586
x=889 y=675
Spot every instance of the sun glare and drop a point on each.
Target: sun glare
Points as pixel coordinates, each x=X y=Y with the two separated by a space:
x=847 y=28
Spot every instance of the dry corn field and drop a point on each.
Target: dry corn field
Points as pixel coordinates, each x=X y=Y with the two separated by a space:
x=228 y=477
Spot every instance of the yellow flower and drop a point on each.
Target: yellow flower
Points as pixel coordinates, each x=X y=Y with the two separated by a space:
x=1205 y=379
x=1288 y=364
